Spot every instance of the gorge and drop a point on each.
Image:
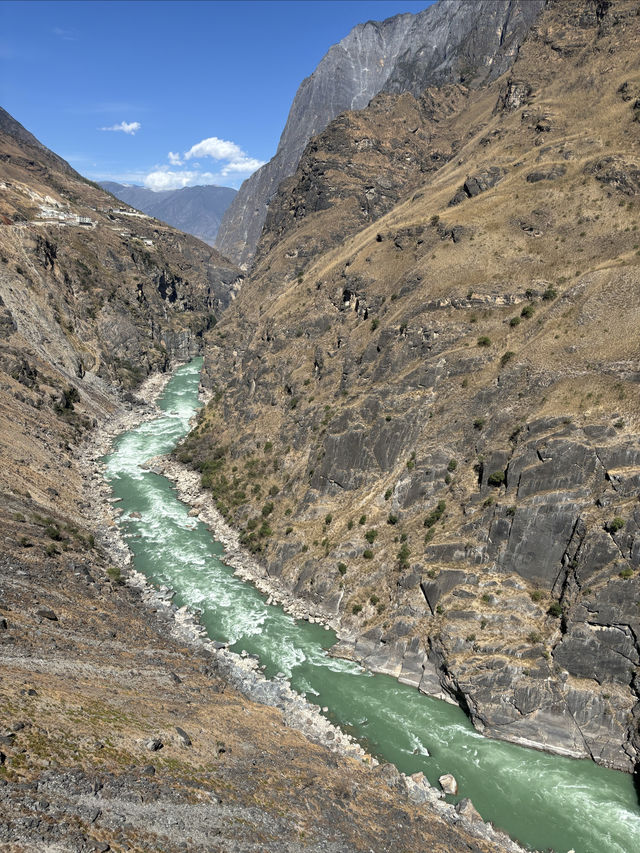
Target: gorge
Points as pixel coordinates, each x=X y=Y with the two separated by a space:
x=418 y=432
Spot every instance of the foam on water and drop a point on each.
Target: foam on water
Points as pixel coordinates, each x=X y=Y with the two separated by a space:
x=543 y=800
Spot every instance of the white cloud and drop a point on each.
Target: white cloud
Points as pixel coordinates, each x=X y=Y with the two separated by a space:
x=219 y=149
x=245 y=164
x=129 y=127
x=175 y=159
x=166 y=179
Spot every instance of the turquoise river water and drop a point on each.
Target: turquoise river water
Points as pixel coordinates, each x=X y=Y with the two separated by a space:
x=543 y=801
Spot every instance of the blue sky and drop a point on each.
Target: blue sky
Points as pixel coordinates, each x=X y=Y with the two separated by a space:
x=115 y=87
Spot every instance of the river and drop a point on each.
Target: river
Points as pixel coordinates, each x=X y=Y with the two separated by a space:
x=543 y=801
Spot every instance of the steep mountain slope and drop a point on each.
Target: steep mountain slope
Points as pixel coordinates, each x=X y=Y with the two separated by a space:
x=451 y=41
x=428 y=431
x=119 y=729
x=89 y=298
x=194 y=210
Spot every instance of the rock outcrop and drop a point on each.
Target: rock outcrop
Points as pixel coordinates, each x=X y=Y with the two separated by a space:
x=451 y=41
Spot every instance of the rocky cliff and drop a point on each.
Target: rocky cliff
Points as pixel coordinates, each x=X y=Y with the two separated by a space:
x=194 y=210
x=451 y=41
x=93 y=295
x=425 y=420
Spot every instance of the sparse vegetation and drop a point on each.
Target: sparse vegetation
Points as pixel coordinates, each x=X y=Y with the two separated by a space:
x=436 y=514
x=615 y=524
x=555 y=609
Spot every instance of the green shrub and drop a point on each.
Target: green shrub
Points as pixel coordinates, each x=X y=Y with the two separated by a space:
x=388 y=494
x=374 y=324
x=514 y=321
x=496 y=479
x=549 y=294
x=356 y=609
x=484 y=341
x=555 y=609
x=371 y=536
x=436 y=514
x=615 y=524
x=625 y=574
x=534 y=637
x=367 y=554
x=362 y=519
x=374 y=600
x=506 y=357
x=267 y=509
x=392 y=519
x=115 y=574
x=328 y=518
x=453 y=464
x=268 y=445
x=350 y=525
x=527 y=311
x=288 y=531
x=53 y=533
x=403 y=556
x=478 y=423
x=342 y=568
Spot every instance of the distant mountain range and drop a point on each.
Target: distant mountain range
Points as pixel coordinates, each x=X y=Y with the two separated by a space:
x=196 y=210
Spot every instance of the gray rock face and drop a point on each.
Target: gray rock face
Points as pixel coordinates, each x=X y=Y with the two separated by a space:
x=451 y=41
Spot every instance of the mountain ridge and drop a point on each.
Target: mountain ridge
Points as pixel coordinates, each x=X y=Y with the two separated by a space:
x=195 y=210
x=400 y=52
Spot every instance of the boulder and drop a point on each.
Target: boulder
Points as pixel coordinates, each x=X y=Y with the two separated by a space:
x=46 y=613
x=448 y=783
x=548 y=174
x=466 y=809
x=184 y=737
